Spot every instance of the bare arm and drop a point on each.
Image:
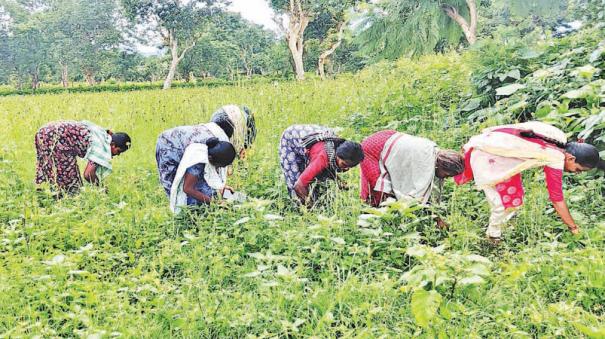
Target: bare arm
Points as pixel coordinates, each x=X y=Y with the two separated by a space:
x=189 y=188
x=90 y=173
x=302 y=191
x=563 y=212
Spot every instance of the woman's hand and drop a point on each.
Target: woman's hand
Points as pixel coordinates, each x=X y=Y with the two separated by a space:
x=343 y=185
x=302 y=192
x=575 y=230
x=563 y=212
x=227 y=188
x=189 y=183
x=90 y=173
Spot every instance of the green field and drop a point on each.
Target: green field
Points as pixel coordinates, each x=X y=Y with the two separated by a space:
x=119 y=264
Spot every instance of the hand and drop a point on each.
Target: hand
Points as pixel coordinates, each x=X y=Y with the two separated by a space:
x=343 y=185
x=574 y=229
x=442 y=225
x=228 y=188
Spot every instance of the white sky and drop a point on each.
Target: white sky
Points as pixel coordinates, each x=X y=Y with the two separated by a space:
x=257 y=11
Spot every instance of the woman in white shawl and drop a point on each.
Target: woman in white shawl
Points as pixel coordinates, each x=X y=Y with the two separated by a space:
x=495 y=159
x=198 y=177
x=404 y=166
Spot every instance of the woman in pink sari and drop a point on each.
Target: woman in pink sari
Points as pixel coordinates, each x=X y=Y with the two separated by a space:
x=496 y=158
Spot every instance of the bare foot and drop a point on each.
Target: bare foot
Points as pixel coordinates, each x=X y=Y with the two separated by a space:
x=494 y=241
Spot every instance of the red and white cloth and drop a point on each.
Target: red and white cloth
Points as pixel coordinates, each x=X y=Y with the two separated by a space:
x=370 y=167
x=496 y=158
x=399 y=165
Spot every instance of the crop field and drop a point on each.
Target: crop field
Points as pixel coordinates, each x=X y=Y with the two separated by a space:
x=117 y=263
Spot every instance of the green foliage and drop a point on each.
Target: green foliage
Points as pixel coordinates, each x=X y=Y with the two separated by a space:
x=119 y=264
x=409 y=28
x=136 y=86
x=425 y=305
x=559 y=81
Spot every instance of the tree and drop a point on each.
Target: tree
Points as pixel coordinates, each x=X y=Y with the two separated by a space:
x=27 y=43
x=393 y=28
x=329 y=26
x=85 y=34
x=230 y=47
x=298 y=13
x=469 y=28
x=179 y=23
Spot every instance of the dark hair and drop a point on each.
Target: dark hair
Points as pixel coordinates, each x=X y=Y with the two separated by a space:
x=121 y=140
x=531 y=134
x=450 y=162
x=351 y=152
x=220 y=153
x=226 y=126
x=250 y=128
x=586 y=154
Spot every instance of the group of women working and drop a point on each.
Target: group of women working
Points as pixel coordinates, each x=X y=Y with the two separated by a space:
x=192 y=161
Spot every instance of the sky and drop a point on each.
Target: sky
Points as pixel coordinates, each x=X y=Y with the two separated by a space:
x=257 y=11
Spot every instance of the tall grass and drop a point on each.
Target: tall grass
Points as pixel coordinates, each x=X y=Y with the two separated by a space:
x=119 y=264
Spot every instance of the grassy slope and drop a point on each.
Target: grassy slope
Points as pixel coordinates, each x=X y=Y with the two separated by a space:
x=234 y=271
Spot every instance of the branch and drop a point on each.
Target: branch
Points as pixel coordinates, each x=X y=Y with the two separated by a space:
x=472 y=8
x=469 y=31
x=331 y=50
x=187 y=49
x=452 y=12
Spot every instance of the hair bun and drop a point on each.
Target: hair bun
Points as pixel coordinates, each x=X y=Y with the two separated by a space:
x=212 y=142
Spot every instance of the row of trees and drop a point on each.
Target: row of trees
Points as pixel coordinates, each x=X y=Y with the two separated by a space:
x=82 y=40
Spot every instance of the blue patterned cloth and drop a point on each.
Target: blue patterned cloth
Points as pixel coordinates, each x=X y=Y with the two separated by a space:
x=171 y=146
x=292 y=155
x=201 y=186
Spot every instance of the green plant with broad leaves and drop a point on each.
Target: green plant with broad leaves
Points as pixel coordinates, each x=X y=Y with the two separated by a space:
x=116 y=262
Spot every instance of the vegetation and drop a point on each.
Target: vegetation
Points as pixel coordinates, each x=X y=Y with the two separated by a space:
x=119 y=264
x=114 y=262
x=59 y=42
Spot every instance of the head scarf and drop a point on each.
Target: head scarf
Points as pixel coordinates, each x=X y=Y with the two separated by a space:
x=242 y=121
x=331 y=142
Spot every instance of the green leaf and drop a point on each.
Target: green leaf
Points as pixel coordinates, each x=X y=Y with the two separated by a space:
x=418 y=251
x=586 y=71
x=579 y=93
x=338 y=240
x=474 y=280
x=425 y=305
x=471 y=105
x=509 y=89
x=591 y=332
x=527 y=53
x=514 y=74
x=596 y=54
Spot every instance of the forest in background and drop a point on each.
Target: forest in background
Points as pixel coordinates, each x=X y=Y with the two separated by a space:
x=76 y=43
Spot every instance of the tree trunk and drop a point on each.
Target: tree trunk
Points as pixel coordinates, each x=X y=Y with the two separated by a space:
x=64 y=75
x=175 y=57
x=174 y=62
x=36 y=78
x=469 y=29
x=90 y=78
x=325 y=56
x=299 y=20
x=297 y=59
